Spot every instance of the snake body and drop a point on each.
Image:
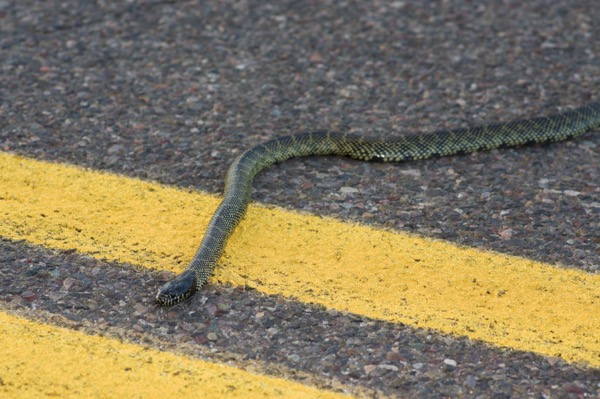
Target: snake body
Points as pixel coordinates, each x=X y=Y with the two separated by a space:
x=238 y=184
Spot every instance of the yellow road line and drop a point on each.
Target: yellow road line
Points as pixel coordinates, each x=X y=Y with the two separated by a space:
x=43 y=360
x=503 y=300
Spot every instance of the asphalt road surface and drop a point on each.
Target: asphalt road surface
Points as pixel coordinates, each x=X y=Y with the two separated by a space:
x=469 y=276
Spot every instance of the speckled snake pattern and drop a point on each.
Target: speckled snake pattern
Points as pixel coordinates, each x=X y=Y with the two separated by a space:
x=238 y=184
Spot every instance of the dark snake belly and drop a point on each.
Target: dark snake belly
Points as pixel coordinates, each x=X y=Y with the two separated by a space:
x=238 y=184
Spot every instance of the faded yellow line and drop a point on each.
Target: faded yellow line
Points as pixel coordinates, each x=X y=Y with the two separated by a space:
x=503 y=300
x=42 y=360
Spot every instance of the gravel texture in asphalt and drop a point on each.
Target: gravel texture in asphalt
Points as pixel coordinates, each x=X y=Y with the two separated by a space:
x=172 y=91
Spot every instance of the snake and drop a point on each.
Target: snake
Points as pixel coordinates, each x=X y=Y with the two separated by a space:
x=238 y=182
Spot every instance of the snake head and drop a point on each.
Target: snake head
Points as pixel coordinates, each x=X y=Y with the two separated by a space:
x=177 y=290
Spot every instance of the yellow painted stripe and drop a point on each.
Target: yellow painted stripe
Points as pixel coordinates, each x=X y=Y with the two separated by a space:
x=503 y=300
x=42 y=360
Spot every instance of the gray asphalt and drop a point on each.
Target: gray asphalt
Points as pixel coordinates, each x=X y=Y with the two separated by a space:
x=171 y=91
